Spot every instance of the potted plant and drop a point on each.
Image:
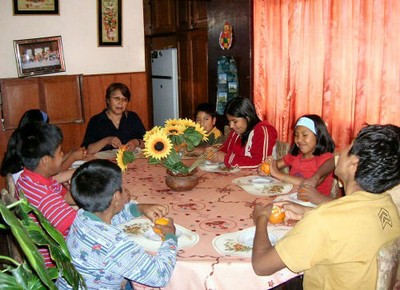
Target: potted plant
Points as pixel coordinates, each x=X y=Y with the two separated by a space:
x=31 y=272
x=166 y=145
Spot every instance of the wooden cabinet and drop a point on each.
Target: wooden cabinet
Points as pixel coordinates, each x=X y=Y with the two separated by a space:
x=191 y=14
x=193 y=70
x=163 y=18
x=59 y=97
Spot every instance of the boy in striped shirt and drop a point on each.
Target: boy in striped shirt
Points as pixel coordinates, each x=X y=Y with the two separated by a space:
x=39 y=147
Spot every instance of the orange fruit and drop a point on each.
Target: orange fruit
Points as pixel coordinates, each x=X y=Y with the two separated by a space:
x=277 y=215
x=160 y=221
x=265 y=167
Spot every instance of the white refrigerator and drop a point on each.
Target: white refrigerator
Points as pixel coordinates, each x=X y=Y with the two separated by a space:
x=164 y=78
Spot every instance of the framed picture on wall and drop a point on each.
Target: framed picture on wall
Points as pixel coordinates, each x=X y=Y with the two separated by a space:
x=35 y=7
x=110 y=22
x=37 y=56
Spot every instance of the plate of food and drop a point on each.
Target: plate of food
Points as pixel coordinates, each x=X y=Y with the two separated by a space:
x=240 y=243
x=141 y=232
x=263 y=186
x=217 y=167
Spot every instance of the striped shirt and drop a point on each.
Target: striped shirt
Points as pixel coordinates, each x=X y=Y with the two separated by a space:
x=47 y=195
x=104 y=254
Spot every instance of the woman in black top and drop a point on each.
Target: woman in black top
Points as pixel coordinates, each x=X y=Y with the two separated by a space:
x=115 y=126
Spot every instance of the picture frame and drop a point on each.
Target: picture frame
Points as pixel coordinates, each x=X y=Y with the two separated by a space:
x=38 y=56
x=110 y=22
x=32 y=7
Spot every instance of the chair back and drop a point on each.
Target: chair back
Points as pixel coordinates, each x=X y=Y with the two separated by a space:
x=388 y=266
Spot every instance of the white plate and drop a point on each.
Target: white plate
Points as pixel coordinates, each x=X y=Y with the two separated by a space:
x=247 y=238
x=217 y=167
x=151 y=235
x=241 y=243
x=293 y=198
x=77 y=163
x=137 y=228
x=263 y=186
x=108 y=154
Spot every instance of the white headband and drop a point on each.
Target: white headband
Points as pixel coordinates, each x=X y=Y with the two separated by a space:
x=308 y=123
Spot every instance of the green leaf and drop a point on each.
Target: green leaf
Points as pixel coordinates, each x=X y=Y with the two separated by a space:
x=128 y=157
x=28 y=247
x=9 y=282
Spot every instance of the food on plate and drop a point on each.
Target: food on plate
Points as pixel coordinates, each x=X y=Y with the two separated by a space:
x=277 y=215
x=265 y=168
x=162 y=222
x=275 y=188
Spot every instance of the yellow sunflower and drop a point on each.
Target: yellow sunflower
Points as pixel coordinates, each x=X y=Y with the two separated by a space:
x=157 y=146
x=154 y=130
x=172 y=122
x=201 y=130
x=124 y=158
x=174 y=130
x=187 y=122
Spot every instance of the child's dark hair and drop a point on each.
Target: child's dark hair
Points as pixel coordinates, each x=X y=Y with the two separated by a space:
x=210 y=109
x=36 y=140
x=94 y=183
x=240 y=107
x=378 y=150
x=324 y=142
x=11 y=162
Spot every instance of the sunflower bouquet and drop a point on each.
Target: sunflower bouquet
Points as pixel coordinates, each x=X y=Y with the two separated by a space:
x=124 y=157
x=165 y=144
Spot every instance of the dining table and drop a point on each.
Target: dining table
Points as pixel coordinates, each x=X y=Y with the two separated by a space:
x=210 y=218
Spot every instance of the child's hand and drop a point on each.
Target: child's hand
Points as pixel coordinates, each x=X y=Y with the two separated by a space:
x=153 y=211
x=307 y=193
x=273 y=167
x=310 y=182
x=261 y=211
x=162 y=228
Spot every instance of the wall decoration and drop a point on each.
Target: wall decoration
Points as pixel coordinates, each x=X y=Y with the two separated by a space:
x=110 y=22
x=37 y=56
x=35 y=7
x=228 y=83
x=226 y=36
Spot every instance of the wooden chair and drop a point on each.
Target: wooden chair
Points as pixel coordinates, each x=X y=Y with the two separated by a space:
x=388 y=266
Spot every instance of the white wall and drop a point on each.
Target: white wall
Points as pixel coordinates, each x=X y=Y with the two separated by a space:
x=77 y=25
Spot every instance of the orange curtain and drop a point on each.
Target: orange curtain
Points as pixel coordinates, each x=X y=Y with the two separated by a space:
x=339 y=59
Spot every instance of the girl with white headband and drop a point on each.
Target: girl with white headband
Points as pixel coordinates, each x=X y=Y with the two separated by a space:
x=311 y=160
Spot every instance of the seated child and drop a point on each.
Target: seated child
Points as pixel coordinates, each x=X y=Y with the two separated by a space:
x=310 y=159
x=39 y=146
x=100 y=251
x=250 y=140
x=12 y=163
x=207 y=117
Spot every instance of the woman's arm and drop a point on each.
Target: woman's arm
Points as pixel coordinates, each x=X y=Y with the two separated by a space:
x=97 y=146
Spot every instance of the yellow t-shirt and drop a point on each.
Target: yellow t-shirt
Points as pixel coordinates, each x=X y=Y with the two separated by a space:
x=336 y=243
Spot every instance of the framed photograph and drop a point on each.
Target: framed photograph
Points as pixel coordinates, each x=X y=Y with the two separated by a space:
x=35 y=7
x=110 y=22
x=38 y=56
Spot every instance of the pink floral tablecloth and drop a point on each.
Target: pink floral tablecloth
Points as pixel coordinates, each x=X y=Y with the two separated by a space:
x=215 y=207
